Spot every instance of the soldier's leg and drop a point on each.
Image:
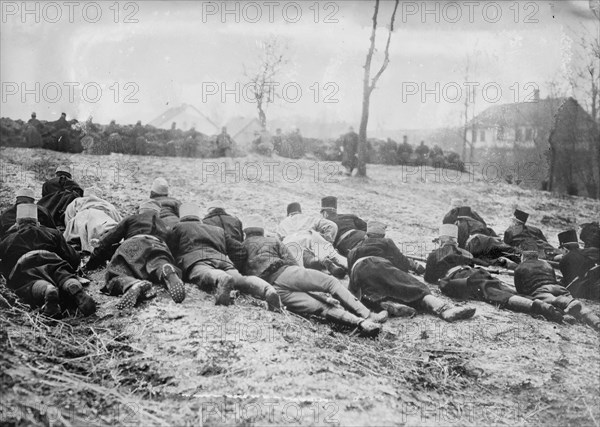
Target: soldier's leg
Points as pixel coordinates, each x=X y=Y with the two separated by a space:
x=257 y=287
x=74 y=291
x=162 y=269
x=446 y=311
x=209 y=279
x=45 y=294
x=525 y=305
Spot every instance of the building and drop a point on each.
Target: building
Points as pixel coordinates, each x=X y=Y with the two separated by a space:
x=243 y=131
x=549 y=144
x=185 y=117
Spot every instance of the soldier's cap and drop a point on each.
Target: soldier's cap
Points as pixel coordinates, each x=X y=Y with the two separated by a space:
x=92 y=191
x=521 y=216
x=189 y=210
x=590 y=234
x=215 y=204
x=254 y=222
x=149 y=205
x=448 y=230
x=329 y=203
x=457 y=203
x=530 y=255
x=33 y=114
x=294 y=207
x=64 y=169
x=27 y=210
x=569 y=236
x=160 y=186
x=376 y=228
x=25 y=192
x=464 y=212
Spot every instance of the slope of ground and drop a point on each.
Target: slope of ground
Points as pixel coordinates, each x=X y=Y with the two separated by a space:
x=196 y=364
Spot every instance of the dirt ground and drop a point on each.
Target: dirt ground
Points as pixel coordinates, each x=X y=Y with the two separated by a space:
x=197 y=364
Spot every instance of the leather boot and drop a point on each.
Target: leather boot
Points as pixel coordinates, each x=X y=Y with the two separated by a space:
x=380 y=317
x=398 y=310
x=257 y=287
x=173 y=283
x=549 y=312
x=447 y=312
x=45 y=293
x=84 y=302
x=131 y=297
x=223 y=291
x=367 y=327
x=589 y=318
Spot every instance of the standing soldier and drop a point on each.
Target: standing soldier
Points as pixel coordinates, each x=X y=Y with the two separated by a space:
x=350 y=151
x=224 y=144
x=423 y=152
x=351 y=229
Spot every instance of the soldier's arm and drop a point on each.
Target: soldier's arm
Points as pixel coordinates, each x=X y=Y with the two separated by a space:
x=360 y=224
x=66 y=251
x=285 y=254
x=328 y=229
x=236 y=252
x=105 y=247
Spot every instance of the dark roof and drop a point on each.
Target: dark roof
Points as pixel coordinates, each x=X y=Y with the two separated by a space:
x=520 y=113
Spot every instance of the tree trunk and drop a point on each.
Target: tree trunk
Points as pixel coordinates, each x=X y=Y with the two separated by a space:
x=362 y=136
x=262 y=117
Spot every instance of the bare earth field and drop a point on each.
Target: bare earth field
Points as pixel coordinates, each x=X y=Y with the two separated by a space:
x=198 y=364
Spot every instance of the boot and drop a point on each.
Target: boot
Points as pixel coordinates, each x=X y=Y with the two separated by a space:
x=380 y=317
x=131 y=297
x=398 y=310
x=589 y=318
x=367 y=327
x=574 y=308
x=257 y=287
x=51 y=306
x=549 y=312
x=84 y=302
x=173 y=283
x=445 y=311
x=223 y=292
x=273 y=300
x=334 y=268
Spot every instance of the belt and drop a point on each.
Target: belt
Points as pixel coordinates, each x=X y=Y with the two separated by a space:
x=457 y=269
x=343 y=236
x=26 y=256
x=358 y=261
x=139 y=236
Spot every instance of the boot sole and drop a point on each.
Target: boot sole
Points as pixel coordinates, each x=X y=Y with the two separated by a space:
x=462 y=315
x=129 y=298
x=174 y=285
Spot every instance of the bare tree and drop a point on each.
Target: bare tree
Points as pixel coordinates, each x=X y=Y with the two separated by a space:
x=369 y=86
x=261 y=79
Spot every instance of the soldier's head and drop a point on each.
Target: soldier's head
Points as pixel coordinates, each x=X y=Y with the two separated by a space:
x=24 y=195
x=149 y=206
x=160 y=187
x=27 y=213
x=329 y=207
x=529 y=256
x=520 y=217
x=189 y=212
x=350 y=129
x=448 y=234
x=215 y=204
x=376 y=229
x=63 y=170
x=33 y=115
x=568 y=240
x=457 y=203
x=63 y=115
x=294 y=208
x=224 y=129
x=254 y=225
x=590 y=235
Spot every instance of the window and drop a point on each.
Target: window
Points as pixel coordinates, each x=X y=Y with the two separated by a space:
x=500 y=133
x=529 y=134
x=482 y=136
x=518 y=135
x=473 y=135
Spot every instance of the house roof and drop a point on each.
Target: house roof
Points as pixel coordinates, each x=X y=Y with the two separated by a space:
x=520 y=113
x=173 y=112
x=239 y=124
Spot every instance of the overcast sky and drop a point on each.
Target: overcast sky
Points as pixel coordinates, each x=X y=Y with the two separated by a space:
x=176 y=52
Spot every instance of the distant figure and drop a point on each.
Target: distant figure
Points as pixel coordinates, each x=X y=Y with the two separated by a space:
x=224 y=144
x=33 y=132
x=350 y=151
x=61 y=133
x=422 y=151
x=33 y=121
x=277 y=140
x=173 y=125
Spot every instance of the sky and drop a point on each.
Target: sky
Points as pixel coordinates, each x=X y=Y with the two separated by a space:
x=131 y=61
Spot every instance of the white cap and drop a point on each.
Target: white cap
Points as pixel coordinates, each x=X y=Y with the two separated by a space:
x=25 y=192
x=27 y=210
x=215 y=204
x=189 y=209
x=160 y=186
x=254 y=221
